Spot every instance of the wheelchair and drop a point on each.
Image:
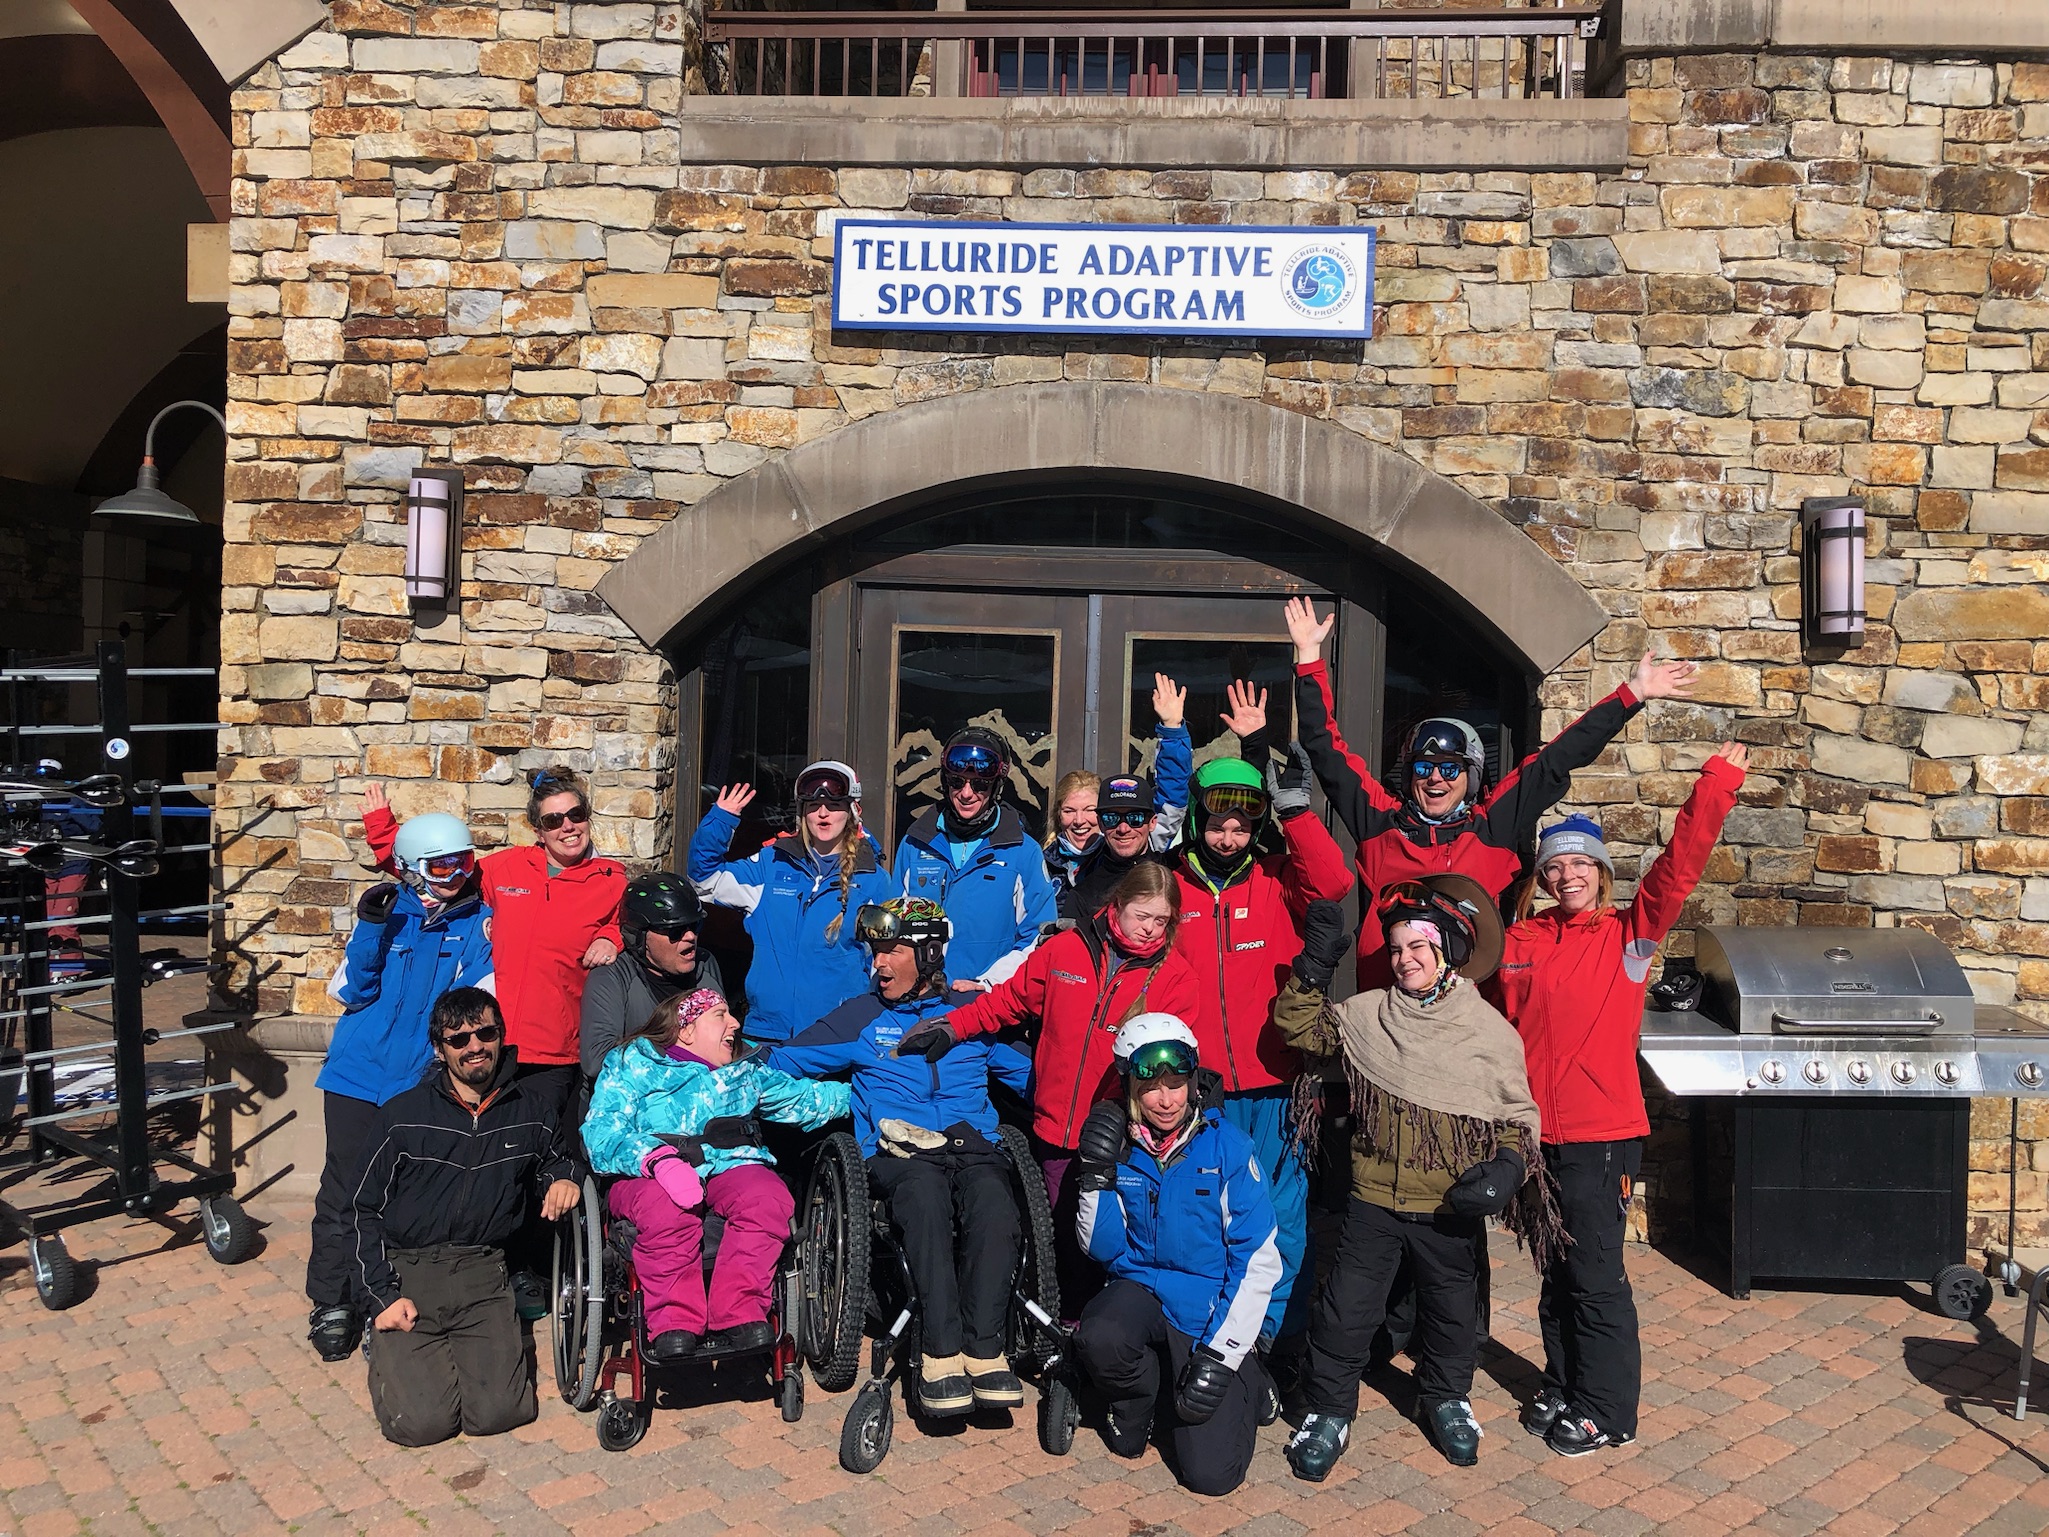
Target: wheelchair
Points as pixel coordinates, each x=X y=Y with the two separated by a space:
x=857 y=1290
x=600 y=1324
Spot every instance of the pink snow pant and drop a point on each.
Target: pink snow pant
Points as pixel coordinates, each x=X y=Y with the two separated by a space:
x=668 y=1256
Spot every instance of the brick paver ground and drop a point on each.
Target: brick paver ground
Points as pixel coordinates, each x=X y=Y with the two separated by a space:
x=180 y=1398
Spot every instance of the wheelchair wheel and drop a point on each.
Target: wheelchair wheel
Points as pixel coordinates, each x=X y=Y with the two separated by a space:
x=1037 y=1277
x=790 y=1394
x=1059 y=1415
x=835 y=1264
x=579 y=1300
x=864 y=1438
x=621 y=1424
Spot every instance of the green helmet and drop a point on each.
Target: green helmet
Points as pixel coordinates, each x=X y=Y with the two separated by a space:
x=1228 y=784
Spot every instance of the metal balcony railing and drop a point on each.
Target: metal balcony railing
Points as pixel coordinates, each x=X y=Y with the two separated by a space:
x=1415 y=54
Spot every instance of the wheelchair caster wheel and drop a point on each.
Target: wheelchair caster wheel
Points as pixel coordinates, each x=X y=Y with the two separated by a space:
x=790 y=1394
x=1059 y=1414
x=864 y=1439
x=621 y=1424
x=1961 y=1292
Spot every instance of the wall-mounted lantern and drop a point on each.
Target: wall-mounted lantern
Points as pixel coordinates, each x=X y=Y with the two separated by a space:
x=1831 y=573
x=433 y=537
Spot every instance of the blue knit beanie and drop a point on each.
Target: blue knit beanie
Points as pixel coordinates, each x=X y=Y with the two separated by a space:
x=1575 y=835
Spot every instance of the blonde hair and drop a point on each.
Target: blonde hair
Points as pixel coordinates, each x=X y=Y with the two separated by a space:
x=1071 y=781
x=1526 y=898
x=847 y=850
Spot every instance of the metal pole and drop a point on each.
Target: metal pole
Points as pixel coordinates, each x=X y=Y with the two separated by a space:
x=131 y=1085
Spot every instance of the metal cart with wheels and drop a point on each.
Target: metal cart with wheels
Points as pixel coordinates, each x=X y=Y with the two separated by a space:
x=141 y=1179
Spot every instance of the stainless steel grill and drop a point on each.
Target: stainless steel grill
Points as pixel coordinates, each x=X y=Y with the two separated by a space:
x=1841 y=1011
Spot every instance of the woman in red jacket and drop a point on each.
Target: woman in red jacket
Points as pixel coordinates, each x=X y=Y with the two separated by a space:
x=1572 y=983
x=1077 y=988
x=554 y=919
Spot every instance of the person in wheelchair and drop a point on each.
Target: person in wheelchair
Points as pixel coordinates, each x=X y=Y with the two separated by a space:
x=928 y=1131
x=678 y=1113
x=1174 y=1205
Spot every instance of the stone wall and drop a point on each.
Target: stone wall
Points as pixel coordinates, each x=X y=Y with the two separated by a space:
x=463 y=233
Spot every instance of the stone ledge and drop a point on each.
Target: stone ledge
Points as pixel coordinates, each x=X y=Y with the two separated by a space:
x=1172 y=133
x=1823 y=26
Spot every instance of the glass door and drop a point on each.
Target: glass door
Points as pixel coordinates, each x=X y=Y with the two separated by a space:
x=1203 y=644
x=933 y=661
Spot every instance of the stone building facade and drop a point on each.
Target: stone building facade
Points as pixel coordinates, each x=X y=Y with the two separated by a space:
x=509 y=236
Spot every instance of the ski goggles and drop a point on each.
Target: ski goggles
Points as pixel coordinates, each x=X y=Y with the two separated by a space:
x=1109 y=819
x=1425 y=769
x=549 y=821
x=825 y=787
x=449 y=867
x=1219 y=800
x=875 y=924
x=1157 y=1057
x=1399 y=899
x=972 y=760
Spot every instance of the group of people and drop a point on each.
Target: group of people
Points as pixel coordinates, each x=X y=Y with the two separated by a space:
x=1155 y=984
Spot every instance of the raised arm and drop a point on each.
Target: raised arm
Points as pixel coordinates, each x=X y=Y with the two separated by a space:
x=1361 y=802
x=1674 y=873
x=735 y=883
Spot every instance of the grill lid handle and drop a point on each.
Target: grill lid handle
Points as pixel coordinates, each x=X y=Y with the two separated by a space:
x=1928 y=1024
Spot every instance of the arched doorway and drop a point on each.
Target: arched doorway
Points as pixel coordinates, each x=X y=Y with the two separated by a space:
x=1034 y=553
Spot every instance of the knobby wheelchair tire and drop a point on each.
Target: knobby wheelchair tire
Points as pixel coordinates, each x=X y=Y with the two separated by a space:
x=835 y=1263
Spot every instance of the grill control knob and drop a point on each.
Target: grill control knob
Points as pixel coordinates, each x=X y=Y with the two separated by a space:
x=2029 y=1074
x=1815 y=1071
x=1773 y=1071
x=1946 y=1074
x=1903 y=1073
x=1859 y=1071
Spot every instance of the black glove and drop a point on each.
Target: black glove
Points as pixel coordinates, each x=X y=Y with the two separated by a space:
x=1325 y=939
x=1105 y=1139
x=931 y=1039
x=1487 y=1189
x=1204 y=1381
x=374 y=906
x=1288 y=788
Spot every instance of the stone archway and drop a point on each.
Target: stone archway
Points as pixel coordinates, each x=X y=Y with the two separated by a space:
x=862 y=474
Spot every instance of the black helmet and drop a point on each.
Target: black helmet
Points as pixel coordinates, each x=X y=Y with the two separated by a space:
x=915 y=921
x=659 y=900
x=976 y=751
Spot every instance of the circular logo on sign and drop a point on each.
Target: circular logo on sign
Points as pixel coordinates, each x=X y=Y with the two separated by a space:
x=1319 y=280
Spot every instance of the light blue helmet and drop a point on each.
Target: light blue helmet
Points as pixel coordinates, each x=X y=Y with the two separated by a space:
x=427 y=837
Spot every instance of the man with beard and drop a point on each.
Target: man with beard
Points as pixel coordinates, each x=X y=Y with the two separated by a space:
x=453 y=1162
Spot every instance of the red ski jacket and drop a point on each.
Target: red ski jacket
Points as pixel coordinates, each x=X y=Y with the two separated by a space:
x=1241 y=941
x=1574 y=987
x=1397 y=843
x=1080 y=990
x=541 y=925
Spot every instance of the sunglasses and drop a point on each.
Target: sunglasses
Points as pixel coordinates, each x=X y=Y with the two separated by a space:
x=489 y=1035
x=983 y=782
x=676 y=934
x=1109 y=819
x=830 y=802
x=550 y=820
x=1425 y=770
x=447 y=867
x=970 y=759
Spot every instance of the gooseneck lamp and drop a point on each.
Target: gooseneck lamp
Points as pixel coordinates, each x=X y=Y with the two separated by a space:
x=146 y=502
x=433 y=535
x=1832 y=573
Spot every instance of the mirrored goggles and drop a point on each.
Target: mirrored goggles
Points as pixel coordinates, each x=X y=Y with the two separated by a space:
x=826 y=785
x=1219 y=799
x=449 y=867
x=1426 y=769
x=1157 y=1057
x=1109 y=819
x=974 y=760
x=877 y=925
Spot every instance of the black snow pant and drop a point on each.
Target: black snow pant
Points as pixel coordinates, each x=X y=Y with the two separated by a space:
x=1592 y=1356
x=463 y=1365
x=1372 y=1245
x=331 y=1266
x=956 y=1216
x=559 y=1086
x=1134 y=1357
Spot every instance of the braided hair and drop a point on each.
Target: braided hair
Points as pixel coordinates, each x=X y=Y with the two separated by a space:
x=848 y=852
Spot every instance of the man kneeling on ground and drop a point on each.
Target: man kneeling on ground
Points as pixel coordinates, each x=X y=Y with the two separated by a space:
x=452 y=1163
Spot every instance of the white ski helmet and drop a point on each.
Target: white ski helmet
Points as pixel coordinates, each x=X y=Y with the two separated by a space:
x=1150 y=1044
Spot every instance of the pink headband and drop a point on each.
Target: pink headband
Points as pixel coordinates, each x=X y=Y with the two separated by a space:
x=1425 y=927
x=697 y=1005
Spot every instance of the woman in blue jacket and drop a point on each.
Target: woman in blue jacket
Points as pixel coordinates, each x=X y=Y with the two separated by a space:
x=414 y=939
x=1175 y=1207
x=799 y=893
x=929 y=1132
